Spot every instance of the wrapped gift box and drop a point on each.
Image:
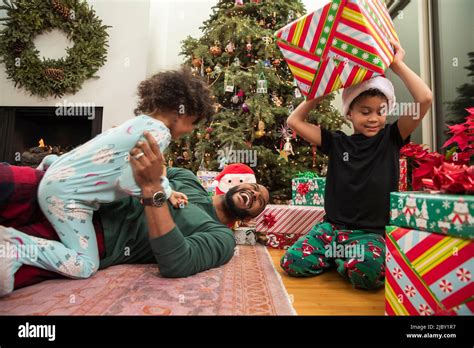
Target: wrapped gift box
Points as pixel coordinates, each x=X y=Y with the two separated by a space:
x=341 y=44
x=428 y=274
x=440 y=213
x=207 y=178
x=282 y=225
x=308 y=191
x=403 y=179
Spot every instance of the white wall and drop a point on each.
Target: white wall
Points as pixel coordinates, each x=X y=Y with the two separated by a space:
x=125 y=67
x=145 y=38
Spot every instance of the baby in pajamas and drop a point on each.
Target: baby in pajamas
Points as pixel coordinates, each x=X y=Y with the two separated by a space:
x=98 y=172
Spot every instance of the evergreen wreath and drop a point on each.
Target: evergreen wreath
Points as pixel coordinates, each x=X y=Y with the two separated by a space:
x=51 y=77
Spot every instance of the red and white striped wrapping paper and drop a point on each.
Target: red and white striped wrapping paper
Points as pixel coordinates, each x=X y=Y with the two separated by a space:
x=290 y=223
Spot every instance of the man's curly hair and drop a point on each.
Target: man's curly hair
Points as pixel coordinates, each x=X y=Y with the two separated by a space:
x=175 y=91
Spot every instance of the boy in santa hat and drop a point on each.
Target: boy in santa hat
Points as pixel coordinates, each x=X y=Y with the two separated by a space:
x=363 y=169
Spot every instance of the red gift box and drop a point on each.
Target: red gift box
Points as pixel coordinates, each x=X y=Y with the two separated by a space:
x=283 y=225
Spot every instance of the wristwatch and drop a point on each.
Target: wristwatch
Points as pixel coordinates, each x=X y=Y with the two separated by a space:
x=158 y=199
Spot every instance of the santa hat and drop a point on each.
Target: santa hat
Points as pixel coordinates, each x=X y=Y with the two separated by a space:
x=379 y=82
x=232 y=175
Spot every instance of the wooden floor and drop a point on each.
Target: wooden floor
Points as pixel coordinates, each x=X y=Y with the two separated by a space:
x=328 y=293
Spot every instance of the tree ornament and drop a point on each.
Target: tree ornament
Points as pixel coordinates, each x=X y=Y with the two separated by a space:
x=236 y=61
x=208 y=70
x=262 y=84
x=267 y=63
x=261 y=129
x=216 y=51
x=276 y=62
x=228 y=84
x=196 y=62
x=235 y=99
x=276 y=100
x=297 y=93
x=230 y=48
x=239 y=2
x=245 y=108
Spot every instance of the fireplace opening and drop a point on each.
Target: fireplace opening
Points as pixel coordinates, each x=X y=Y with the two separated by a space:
x=21 y=129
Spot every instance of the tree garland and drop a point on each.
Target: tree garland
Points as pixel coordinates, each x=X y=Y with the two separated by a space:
x=51 y=77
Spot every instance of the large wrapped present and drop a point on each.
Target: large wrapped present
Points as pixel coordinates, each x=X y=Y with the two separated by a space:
x=206 y=178
x=428 y=274
x=308 y=189
x=403 y=179
x=341 y=44
x=440 y=213
x=283 y=225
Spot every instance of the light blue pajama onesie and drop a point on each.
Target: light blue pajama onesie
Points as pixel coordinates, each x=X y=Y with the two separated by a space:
x=76 y=184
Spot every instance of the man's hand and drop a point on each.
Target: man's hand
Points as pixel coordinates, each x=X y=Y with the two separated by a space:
x=147 y=163
x=177 y=198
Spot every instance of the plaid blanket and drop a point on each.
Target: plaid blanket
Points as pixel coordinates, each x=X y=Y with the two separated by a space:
x=19 y=209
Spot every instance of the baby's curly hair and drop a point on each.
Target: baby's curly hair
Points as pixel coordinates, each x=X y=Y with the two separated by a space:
x=175 y=91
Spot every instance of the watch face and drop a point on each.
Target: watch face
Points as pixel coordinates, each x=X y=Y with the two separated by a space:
x=159 y=198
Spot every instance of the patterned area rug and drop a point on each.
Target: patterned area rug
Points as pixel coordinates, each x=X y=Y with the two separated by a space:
x=247 y=285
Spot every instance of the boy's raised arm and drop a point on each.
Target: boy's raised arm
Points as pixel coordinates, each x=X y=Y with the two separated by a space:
x=306 y=130
x=421 y=93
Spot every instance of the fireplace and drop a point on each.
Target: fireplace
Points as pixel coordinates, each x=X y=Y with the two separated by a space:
x=21 y=128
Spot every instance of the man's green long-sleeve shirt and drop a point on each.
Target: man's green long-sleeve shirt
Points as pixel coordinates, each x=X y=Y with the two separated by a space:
x=197 y=243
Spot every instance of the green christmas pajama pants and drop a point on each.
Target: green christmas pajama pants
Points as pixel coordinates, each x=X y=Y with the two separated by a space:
x=358 y=255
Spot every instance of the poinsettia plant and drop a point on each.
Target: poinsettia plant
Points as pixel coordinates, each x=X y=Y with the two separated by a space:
x=449 y=173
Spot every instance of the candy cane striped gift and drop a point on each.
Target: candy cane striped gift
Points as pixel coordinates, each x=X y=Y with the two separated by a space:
x=341 y=44
x=284 y=224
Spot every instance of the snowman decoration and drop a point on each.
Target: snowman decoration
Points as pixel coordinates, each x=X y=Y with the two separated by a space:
x=460 y=214
x=233 y=175
x=410 y=209
x=422 y=218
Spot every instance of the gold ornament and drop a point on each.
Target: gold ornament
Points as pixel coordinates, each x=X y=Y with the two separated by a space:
x=261 y=130
x=216 y=51
x=197 y=62
x=208 y=70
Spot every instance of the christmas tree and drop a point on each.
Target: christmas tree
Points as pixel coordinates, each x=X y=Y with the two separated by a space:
x=465 y=98
x=255 y=93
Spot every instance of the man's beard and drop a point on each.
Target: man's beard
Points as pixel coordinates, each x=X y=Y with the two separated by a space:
x=232 y=209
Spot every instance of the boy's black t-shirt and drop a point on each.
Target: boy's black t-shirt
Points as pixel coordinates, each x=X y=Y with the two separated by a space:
x=362 y=171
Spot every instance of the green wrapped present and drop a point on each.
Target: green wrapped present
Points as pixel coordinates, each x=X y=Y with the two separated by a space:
x=308 y=189
x=434 y=212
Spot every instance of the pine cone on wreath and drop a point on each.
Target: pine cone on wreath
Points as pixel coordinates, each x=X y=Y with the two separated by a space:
x=61 y=9
x=18 y=47
x=54 y=74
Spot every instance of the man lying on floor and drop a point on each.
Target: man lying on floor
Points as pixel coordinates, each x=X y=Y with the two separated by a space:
x=182 y=242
